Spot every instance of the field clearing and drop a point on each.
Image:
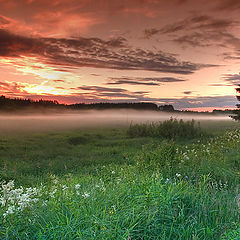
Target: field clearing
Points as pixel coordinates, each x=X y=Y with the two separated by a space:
x=99 y=183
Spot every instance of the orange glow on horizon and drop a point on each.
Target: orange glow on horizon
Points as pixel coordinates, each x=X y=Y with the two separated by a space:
x=35 y=66
x=42 y=90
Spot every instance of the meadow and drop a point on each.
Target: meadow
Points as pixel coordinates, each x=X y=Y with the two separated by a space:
x=122 y=182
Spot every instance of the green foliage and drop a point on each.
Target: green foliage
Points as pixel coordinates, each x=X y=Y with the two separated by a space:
x=122 y=203
x=115 y=187
x=170 y=129
x=232 y=235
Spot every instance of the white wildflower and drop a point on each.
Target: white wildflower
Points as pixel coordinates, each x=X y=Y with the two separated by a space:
x=18 y=199
x=85 y=195
x=64 y=187
x=52 y=194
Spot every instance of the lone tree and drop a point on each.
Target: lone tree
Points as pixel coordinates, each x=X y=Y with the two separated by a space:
x=237 y=112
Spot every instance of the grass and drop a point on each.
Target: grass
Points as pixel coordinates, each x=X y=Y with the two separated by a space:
x=103 y=184
x=29 y=158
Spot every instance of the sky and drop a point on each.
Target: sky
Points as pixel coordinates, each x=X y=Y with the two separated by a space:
x=180 y=52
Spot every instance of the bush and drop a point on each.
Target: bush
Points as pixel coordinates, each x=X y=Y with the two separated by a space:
x=78 y=140
x=170 y=129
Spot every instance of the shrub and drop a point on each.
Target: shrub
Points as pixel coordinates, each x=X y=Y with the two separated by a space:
x=78 y=140
x=170 y=129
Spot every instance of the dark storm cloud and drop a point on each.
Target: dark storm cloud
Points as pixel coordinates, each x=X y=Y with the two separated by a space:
x=195 y=102
x=104 y=54
x=120 y=95
x=234 y=79
x=203 y=39
x=220 y=85
x=93 y=52
x=150 y=32
x=101 y=89
x=167 y=79
x=96 y=92
x=59 y=81
x=13 y=45
x=4 y=84
x=95 y=75
x=133 y=82
x=231 y=55
x=216 y=101
x=143 y=81
x=187 y=92
x=201 y=22
x=196 y=39
x=201 y=31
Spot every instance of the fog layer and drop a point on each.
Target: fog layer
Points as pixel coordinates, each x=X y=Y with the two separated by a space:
x=91 y=119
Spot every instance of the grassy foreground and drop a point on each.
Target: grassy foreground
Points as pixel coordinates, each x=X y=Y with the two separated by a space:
x=105 y=185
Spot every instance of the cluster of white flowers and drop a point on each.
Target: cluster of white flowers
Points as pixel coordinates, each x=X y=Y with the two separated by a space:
x=14 y=200
x=219 y=185
x=233 y=135
x=77 y=187
x=17 y=199
x=219 y=143
x=52 y=193
x=101 y=185
x=64 y=187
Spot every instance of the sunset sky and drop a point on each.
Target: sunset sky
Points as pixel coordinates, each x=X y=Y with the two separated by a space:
x=180 y=52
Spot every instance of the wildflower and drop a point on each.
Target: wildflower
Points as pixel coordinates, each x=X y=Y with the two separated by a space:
x=85 y=195
x=52 y=194
x=111 y=212
x=77 y=186
x=55 y=181
x=168 y=180
x=178 y=174
x=13 y=200
x=64 y=187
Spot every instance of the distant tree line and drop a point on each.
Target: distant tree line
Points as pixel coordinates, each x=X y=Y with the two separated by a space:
x=102 y=106
x=18 y=104
x=13 y=104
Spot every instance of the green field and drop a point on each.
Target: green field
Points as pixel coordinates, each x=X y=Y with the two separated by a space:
x=106 y=184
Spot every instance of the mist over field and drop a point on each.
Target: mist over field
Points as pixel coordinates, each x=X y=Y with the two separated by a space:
x=94 y=118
